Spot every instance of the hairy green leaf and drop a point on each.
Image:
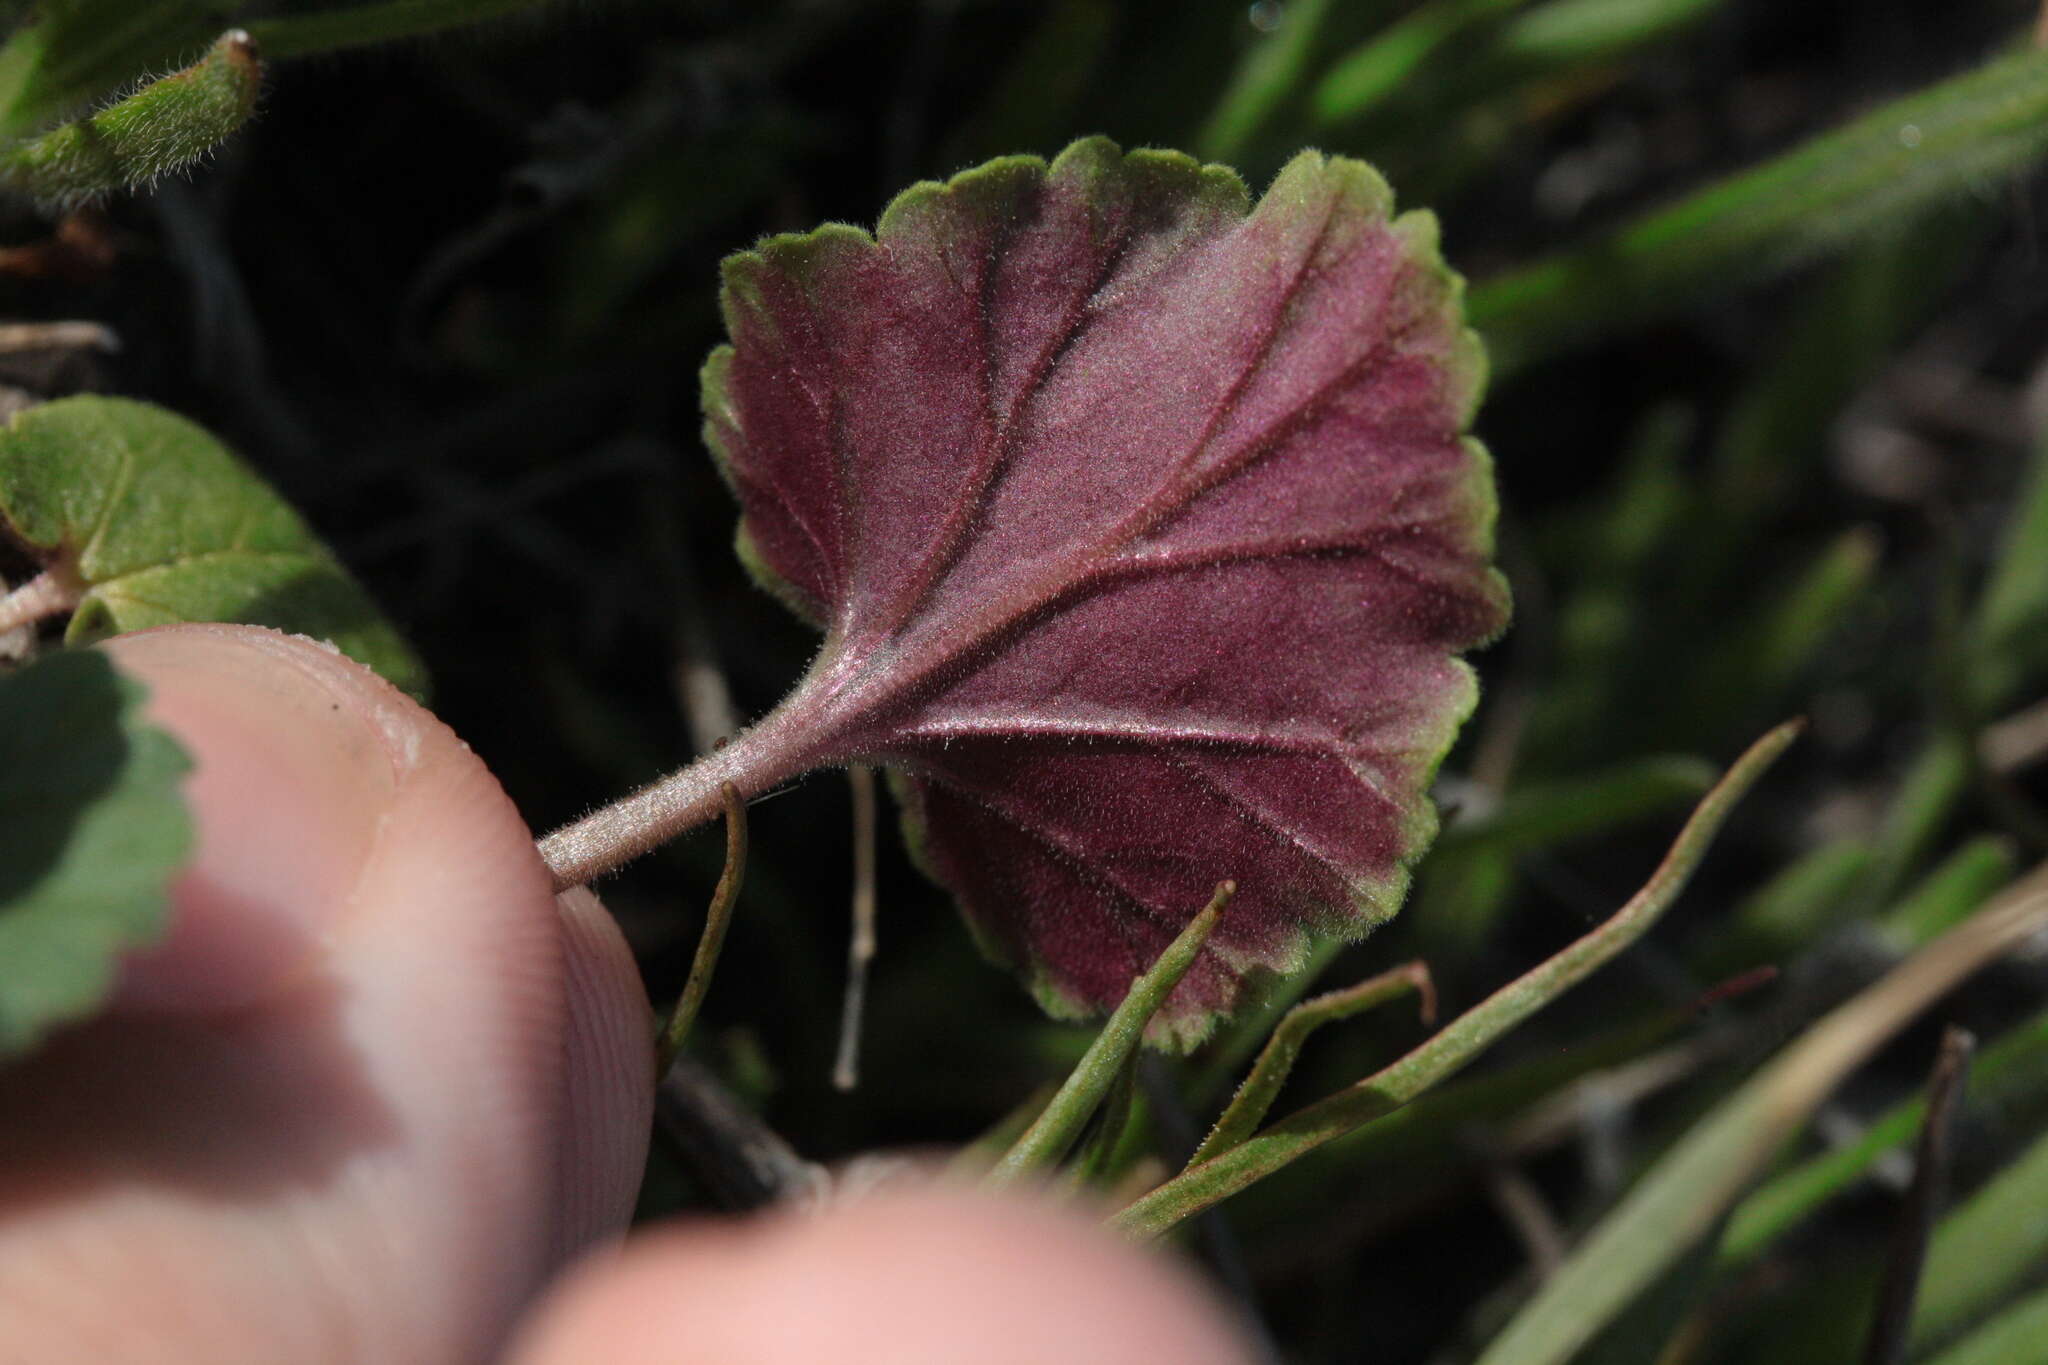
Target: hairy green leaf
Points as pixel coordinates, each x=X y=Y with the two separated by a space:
x=150 y=521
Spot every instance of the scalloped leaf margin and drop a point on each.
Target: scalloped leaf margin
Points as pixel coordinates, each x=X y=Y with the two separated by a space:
x=1146 y=534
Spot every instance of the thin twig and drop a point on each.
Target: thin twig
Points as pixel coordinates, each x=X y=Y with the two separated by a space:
x=50 y=593
x=1891 y=1328
x=2016 y=742
x=716 y=918
x=860 y=950
x=1523 y=1208
x=17 y=337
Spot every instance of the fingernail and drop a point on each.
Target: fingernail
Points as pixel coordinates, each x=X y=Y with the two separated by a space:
x=298 y=754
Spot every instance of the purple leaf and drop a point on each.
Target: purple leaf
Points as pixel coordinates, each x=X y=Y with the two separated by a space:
x=1144 y=532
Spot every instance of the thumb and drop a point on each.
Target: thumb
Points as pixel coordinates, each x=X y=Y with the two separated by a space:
x=332 y=1118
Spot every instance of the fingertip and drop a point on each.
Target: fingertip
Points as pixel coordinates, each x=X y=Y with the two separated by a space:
x=365 y=913
x=610 y=1074
x=924 y=1277
x=295 y=761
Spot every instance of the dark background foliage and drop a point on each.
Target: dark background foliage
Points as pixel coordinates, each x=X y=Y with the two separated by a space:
x=451 y=297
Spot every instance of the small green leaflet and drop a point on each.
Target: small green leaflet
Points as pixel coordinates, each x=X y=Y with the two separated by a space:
x=92 y=829
x=161 y=523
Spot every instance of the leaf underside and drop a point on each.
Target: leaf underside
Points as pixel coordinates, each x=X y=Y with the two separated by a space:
x=92 y=829
x=1145 y=533
x=160 y=523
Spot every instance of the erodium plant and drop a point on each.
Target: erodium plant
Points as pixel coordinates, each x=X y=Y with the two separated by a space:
x=1145 y=532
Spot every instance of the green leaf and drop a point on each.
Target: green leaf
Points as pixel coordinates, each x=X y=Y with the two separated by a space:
x=1921 y=806
x=1801 y=902
x=1541 y=815
x=1067 y=1113
x=1365 y=77
x=1463 y=1041
x=1939 y=143
x=161 y=128
x=154 y=521
x=91 y=831
x=1255 y=1097
x=1565 y=34
x=1759 y=658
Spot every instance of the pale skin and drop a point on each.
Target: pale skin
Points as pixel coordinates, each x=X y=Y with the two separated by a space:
x=383 y=1097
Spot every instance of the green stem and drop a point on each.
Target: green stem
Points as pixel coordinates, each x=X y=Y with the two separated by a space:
x=1062 y=1120
x=1255 y=1097
x=1201 y=1187
x=716 y=920
x=163 y=127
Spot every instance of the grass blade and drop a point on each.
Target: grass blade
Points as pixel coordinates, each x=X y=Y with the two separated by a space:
x=1948 y=895
x=1799 y=904
x=1682 y=1196
x=2018 y=1336
x=2012 y=613
x=1992 y=1245
x=1203 y=1186
x=1544 y=814
x=1570 y=34
x=1271 y=72
x=2012 y=1072
x=1363 y=79
x=1888 y=165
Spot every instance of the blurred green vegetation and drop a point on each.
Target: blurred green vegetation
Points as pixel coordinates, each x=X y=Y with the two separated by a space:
x=1765 y=289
